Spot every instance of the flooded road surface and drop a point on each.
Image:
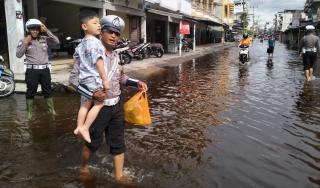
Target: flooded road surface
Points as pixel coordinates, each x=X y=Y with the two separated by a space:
x=215 y=124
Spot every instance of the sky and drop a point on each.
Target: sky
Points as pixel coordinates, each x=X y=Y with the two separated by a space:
x=266 y=9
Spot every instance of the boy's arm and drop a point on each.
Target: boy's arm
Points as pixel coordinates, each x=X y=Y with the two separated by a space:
x=101 y=70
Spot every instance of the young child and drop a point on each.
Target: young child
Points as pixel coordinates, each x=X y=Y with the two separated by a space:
x=90 y=54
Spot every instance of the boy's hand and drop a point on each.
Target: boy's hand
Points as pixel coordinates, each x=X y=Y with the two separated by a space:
x=27 y=40
x=105 y=83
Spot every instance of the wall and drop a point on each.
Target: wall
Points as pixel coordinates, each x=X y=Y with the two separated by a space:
x=63 y=16
x=185 y=7
x=170 y=4
x=287 y=18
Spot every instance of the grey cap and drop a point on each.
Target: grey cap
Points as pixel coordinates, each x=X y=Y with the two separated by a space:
x=113 y=23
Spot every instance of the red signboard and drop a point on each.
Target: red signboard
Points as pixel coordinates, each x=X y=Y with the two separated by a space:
x=184 y=27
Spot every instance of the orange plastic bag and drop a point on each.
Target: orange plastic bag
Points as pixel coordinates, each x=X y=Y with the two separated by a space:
x=136 y=109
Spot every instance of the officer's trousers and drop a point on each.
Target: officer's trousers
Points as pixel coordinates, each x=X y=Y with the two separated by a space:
x=35 y=76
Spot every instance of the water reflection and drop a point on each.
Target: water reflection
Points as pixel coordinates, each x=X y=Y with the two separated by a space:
x=182 y=107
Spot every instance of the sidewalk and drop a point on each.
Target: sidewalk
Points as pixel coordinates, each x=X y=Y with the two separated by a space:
x=61 y=67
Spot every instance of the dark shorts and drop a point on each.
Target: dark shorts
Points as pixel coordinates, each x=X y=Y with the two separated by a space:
x=270 y=50
x=109 y=121
x=309 y=59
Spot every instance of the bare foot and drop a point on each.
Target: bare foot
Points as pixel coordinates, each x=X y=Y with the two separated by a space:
x=308 y=79
x=84 y=132
x=127 y=181
x=84 y=173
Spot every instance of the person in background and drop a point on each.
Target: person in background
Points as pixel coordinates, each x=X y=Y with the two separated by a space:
x=35 y=48
x=309 y=47
x=245 y=41
x=271 y=45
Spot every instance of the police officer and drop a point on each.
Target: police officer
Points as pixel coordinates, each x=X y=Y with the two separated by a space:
x=34 y=46
x=110 y=119
x=309 y=46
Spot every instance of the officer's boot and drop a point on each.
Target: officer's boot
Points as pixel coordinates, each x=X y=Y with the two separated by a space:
x=50 y=106
x=29 y=108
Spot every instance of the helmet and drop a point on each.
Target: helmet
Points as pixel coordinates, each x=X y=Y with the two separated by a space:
x=310 y=27
x=113 y=23
x=33 y=23
x=245 y=35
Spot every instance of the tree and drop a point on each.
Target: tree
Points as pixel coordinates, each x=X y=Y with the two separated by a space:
x=244 y=20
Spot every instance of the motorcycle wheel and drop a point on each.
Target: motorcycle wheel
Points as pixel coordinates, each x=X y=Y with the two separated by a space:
x=140 y=56
x=7 y=86
x=159 y=52
x=126 y=58
x=147 y=52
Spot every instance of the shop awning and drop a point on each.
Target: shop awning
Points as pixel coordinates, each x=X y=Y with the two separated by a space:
x=124 y=9
x=106 y=5
x=209 y=22
x=170 y=15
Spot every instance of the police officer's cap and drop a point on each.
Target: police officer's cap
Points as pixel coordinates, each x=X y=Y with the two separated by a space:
x=310 y=27
x=113 y=23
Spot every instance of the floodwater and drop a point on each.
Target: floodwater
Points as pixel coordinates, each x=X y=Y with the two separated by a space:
x=215 y=124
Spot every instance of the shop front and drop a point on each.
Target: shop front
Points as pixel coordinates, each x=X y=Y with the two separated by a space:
x=3 y=34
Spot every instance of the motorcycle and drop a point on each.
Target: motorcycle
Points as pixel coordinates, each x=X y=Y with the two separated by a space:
x=187 y=44
x=244 y=54
x=138 y=51
x=124 y=53
x=70 y=45
x=155 y=49
x=7 y=85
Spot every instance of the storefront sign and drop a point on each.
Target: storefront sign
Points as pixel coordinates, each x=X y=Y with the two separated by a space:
x=19 y=14
x=184 y=27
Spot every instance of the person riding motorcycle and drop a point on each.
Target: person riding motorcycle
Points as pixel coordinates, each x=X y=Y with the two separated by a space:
x=245 y=41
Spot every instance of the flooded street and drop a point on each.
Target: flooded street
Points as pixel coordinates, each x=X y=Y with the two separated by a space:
x=215 y=124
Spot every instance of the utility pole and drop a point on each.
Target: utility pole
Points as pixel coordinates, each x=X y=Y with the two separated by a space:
x=253 y=19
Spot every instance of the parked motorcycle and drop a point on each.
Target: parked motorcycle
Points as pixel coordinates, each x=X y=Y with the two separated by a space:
x=187 y=44
x=155 y=49
x=7 y=85
x=244 y=54
x=124 y=53
x=138 y=51
x=70 y=45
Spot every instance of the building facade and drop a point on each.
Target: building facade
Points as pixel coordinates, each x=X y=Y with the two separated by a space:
x=61 y=17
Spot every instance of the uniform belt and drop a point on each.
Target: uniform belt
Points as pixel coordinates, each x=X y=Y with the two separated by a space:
x=310 y=49
x=111 y=102
x=38 y=66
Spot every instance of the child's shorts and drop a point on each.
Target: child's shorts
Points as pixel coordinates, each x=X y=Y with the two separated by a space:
x=93 y=84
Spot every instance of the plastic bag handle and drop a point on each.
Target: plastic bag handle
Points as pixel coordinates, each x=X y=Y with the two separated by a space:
x=142 y=94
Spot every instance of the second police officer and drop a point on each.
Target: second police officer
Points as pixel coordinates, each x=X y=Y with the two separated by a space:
x=34 y=46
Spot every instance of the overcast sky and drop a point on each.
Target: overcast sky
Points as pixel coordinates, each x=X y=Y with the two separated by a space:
x=265 y=9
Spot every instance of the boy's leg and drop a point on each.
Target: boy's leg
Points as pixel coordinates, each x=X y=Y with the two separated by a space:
x=82 y=114
x=91 y=116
